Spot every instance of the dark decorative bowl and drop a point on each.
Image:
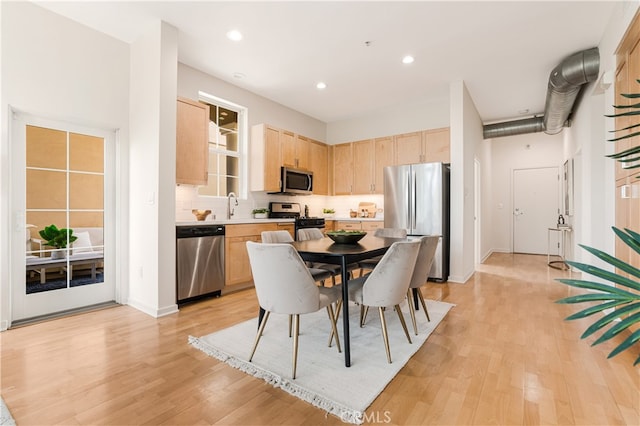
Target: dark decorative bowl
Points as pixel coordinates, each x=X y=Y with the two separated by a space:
x=346 y=237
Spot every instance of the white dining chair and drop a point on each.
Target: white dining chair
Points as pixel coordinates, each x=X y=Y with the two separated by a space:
x=284 y=285
x=426 y=254
x=386 y=285
x=306 y=234
x=383 y=233
x=271 y=237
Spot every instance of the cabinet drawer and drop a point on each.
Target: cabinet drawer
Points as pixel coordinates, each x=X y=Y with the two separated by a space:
x=348 y=225
x=246 y=229
x=372 y=226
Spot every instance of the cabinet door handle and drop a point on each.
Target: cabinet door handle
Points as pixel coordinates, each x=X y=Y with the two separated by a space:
x=625 y=191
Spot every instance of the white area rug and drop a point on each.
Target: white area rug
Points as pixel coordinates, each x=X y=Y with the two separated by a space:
x=5 y=415
x=322 y=379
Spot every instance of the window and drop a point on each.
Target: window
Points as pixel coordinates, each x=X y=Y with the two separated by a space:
x=227 y=148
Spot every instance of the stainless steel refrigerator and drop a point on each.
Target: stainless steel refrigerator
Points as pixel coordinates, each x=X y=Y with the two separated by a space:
x=416 y=198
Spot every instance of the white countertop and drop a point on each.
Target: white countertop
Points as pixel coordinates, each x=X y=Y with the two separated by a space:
x=231 y=222
x=358 y=219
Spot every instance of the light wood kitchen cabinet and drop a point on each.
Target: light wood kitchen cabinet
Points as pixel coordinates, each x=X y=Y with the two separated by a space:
x=236 y=258
x=295 y=150
x=370 y=157
x=408 y=148
x=371 y=226
x=342 y=169
x=319 y=165
x=627 y=185
x=192 y=142
x=363 y=163
x=265 y=158
x=427 y=146
x=436 y=145
x=329 y=225
x=271 y=148
x=289 y=227
x=384 y=149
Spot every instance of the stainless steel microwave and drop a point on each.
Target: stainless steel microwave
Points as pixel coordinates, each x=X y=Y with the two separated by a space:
x=295 y=182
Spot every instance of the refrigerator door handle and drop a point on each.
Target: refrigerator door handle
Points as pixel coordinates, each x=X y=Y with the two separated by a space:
x=412 y=200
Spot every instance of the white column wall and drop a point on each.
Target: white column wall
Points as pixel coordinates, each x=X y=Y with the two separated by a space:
x=152 y=168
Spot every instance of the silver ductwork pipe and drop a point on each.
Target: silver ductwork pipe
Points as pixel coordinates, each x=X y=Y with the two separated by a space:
x=511 y=128
x=565 y=82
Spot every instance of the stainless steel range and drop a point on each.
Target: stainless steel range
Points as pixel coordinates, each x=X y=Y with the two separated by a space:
x=283 y=210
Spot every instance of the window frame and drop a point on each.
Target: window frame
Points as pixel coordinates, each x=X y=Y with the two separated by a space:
x=243 y=136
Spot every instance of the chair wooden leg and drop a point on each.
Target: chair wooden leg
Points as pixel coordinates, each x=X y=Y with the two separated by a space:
x=364 y=310
x=334 y=330
x=335 y=320
x=412 y=312
x=260 y=330
x=385 y=336
x=290 y=323
x=424 y=306
x=296 y=327
x=404 y=324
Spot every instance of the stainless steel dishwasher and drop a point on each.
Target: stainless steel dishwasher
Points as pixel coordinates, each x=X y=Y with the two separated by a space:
x=200 y=261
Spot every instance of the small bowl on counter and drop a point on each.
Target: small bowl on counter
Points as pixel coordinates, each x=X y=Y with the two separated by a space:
x=346 y=237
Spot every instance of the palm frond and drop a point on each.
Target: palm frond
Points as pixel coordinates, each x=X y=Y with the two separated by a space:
x=605 y=275
x=613 y=261
x=607 y=319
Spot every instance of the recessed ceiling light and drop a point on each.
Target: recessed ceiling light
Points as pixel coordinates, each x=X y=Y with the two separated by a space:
x=238 y=75
x=523 y=112
x=321 y=85
x=407 y=59
x=234 y=35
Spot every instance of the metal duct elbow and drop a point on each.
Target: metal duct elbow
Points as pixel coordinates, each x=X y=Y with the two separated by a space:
x=512 y=128
x=565 y=82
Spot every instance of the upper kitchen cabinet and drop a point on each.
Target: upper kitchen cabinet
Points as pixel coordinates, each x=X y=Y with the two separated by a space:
x=436 y=145
x=272 y=148
x=427 y=146
x=295 y=150
x=409 y=148
x=342 y=169
x=319 y=164
x=192 y=142
x=265 y=158
x=370 y=157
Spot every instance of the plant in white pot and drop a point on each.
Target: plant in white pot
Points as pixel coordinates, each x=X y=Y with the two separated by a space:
x=58 y=238
x=261 y=213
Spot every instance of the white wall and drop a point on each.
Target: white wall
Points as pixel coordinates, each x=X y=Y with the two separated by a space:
x=466 y=141
x=154 y=59
x=55 y=68
x=486 y=199
x=510 y=153
x=423 y=115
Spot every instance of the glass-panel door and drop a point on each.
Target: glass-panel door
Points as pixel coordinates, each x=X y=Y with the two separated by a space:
x=64 y=176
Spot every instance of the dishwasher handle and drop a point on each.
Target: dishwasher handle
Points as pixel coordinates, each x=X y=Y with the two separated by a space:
x=199 y=231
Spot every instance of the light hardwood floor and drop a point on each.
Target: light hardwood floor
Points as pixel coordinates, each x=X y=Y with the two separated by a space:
x=504 y=355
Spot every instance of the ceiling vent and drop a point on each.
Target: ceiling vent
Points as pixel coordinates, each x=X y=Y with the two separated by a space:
x=565 y=82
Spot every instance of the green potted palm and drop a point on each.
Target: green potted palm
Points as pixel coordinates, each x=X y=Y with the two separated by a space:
x=57 y=238
x=616 y=294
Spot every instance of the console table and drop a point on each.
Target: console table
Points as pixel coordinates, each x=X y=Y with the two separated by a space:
x=564 y=233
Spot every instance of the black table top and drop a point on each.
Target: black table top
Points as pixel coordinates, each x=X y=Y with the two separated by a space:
x=330 y=252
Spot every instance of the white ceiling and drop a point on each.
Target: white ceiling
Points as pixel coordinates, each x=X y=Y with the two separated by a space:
x=504 y=51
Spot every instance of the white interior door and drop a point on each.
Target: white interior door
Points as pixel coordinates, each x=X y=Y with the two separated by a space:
x=62 y=174
x=536 y=205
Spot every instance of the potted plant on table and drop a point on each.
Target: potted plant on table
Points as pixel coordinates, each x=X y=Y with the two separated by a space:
x=57 y=238
x=261 y=213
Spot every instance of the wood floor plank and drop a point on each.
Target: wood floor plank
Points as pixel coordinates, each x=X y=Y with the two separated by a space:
x=503 y=355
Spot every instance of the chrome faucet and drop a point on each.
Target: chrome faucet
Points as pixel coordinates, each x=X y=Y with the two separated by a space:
x=230 y=210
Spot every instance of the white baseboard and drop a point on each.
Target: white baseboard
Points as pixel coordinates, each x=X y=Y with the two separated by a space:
x=152 y=311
